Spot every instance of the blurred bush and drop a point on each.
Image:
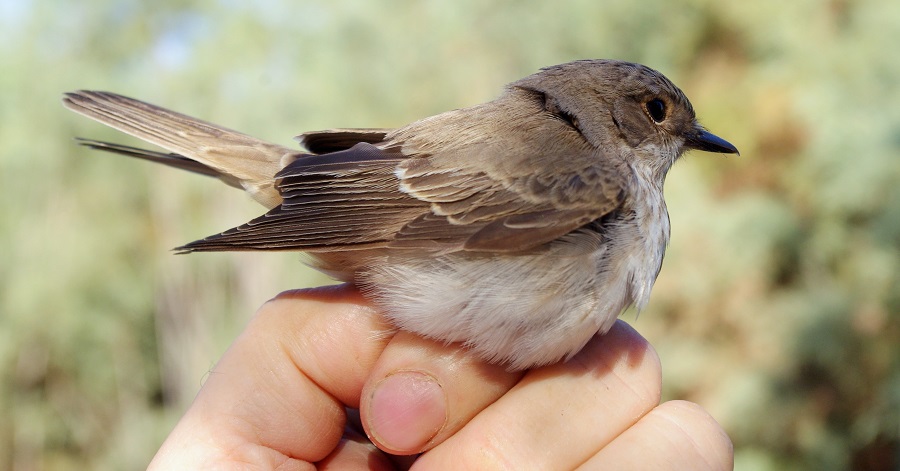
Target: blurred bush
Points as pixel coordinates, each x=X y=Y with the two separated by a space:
x=778 y=308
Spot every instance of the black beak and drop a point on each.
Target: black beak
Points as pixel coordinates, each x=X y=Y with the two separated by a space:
x=704 y=140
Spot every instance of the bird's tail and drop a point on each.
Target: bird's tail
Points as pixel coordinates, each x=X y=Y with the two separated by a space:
x=238 y=159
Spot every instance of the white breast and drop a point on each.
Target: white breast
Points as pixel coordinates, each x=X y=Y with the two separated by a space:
x=639 y=245
x=521 y=310
x=529 y=309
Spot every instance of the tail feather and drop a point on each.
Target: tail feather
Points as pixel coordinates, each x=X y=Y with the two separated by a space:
x=236 y=158
x=168 y=159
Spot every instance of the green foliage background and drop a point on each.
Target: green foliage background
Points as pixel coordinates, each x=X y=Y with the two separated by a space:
x=778 y=308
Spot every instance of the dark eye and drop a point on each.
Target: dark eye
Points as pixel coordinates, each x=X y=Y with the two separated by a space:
x=656 y=109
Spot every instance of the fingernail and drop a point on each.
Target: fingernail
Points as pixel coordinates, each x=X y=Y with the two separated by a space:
x=406 y=410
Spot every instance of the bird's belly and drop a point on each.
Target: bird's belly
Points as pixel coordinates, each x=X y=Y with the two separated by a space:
x=521 y=310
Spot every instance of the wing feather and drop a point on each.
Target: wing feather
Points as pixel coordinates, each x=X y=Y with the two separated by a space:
x=398 y=196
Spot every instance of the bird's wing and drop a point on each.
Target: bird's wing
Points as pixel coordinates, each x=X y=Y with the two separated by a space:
x=474 y=210
x=343 y=200
x=371 y=197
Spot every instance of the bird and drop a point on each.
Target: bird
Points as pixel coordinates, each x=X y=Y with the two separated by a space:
x=519 y=228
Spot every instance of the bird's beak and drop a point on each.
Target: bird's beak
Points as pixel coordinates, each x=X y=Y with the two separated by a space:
x=704 y=140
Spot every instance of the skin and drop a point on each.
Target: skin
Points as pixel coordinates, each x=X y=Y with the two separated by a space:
x=278 y=399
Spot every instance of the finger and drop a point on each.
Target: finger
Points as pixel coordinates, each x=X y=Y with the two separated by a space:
x=421 y=392
x=277 y=396
x=675 y=435
x=355 y=451
x=559 y=416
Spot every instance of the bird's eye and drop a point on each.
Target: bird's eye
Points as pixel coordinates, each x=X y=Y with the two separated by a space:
x=656 y=108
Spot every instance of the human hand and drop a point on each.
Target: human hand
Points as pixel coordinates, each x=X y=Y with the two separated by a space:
x=278 y=399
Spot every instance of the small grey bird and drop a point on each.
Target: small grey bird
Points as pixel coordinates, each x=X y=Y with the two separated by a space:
x=520 y=227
